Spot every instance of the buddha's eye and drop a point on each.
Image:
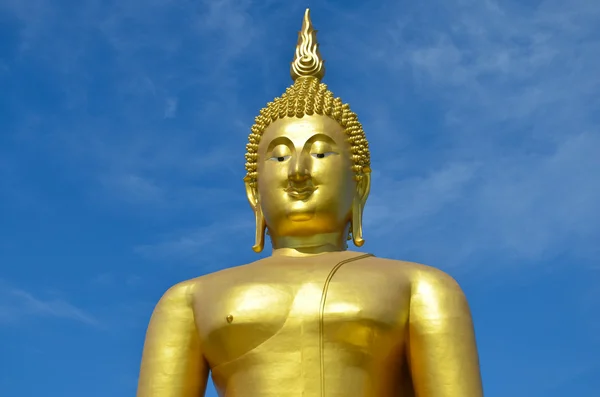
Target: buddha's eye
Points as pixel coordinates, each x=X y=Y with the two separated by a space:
x=321 y=149
x=322 y=155
x=279 y=159
x=280 y=154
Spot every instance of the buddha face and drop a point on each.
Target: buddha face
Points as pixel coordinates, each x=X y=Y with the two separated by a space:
x=305 y=182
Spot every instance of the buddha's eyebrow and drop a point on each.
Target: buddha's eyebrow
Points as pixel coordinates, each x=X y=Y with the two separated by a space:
x=280 y=140
x=321 y=137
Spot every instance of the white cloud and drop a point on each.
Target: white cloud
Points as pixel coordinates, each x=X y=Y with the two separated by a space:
x=134 y=188
x=213 y=247
x=170 y=108
x=17 y=305
x=510 y=171
x=153 y=145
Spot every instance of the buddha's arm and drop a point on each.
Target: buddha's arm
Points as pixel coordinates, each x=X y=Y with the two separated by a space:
x=442 y=351
x=172 y=363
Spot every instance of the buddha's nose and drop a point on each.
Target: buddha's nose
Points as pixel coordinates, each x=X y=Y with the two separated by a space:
x=298 y=171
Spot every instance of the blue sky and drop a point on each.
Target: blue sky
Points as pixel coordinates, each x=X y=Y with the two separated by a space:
x=123 y=128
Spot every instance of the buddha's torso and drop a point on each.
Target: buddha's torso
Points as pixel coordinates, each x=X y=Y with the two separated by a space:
x=276 y=327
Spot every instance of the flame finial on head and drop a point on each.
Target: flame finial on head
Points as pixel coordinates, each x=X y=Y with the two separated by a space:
x=307 y=60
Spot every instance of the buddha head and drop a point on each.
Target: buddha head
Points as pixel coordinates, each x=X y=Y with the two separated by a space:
x=308 y=164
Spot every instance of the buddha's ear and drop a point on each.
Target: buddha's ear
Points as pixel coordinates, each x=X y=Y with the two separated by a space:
x=253 y=199
x=363 y=187
x=251 y=192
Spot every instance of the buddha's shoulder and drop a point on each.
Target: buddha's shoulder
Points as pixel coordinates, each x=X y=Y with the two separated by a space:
x=213 y=279
x=415 y=273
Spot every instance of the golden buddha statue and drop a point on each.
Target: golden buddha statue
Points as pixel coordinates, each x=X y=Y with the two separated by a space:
x=313 y=319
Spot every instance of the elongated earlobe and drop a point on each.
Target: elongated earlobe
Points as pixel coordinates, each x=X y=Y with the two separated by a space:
x=259 y=219
x=360 y=199
x=357 y=232
x=259 y=237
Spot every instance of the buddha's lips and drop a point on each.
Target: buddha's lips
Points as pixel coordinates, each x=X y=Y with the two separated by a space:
x=300 y=193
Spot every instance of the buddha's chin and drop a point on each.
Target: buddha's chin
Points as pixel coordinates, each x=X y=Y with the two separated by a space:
x=300 y=213
x=300 y=216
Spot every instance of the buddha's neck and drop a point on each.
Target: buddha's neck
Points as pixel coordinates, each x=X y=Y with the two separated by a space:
x=308 y=245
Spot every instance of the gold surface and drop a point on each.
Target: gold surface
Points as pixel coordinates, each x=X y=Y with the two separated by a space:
x=313 y=319
x=307 y=59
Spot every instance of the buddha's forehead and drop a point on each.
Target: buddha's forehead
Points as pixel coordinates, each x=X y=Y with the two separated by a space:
x=301 y=130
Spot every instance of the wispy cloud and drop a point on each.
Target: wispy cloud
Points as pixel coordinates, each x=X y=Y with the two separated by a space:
x=17 y=305
x=160 y=127
x=170 y=108
x=510 y=166
x=205 y=246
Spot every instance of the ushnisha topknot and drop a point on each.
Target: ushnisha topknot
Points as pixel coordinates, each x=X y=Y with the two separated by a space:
x=308 y=96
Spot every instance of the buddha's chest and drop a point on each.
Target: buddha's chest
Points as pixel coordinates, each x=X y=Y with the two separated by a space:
x=296 y=311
